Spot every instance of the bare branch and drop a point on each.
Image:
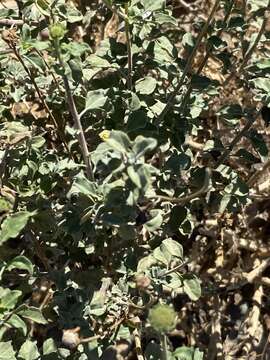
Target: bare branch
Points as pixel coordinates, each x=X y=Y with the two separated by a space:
x=77 y=123
x=13 y=22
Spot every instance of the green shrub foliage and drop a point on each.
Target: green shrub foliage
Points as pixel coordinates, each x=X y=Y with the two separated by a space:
x=101 y=187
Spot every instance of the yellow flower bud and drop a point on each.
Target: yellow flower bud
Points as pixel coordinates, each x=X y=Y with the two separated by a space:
x=104 y=135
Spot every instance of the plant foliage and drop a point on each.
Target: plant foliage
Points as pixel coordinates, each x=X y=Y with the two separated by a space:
x=86 y=254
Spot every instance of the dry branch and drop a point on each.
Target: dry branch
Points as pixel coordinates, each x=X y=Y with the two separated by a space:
x=254 y=319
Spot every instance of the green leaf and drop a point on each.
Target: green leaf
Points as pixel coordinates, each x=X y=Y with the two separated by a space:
x=164 y=51
x=146 y=263
x=192 y=287
x=215 y=42
x=262 y=63
x=162 y=256
x=188 y=39
x=75 y=49
x=258 y=4
x=5 y=205
x=134 y=102
x=6 y=351
x=173 y=247
x=97 y=304
x=187 y=353
x=262 y=84
x=137 y=120
x=143 y=145
x=258 y=142
x=14 y=224
x=37 y=142
x=119 y=141
x=184 y=353
x=9 y=298
x=76 y=70
x=236 y=22
x=157 y=108
x=43 y=7
x=32 y=313
x=16 y=322
x=155 y=222
x=152 y=5
x=49 y=347
x=134 y=176
x=96 y=61
x=146 y=86
x=21 y=263
x=231 y=114
x=200 y=82
x=177 y=162
x=198 y=355
x=82 y=185
x=95 y=99
x=162 y=18
x=29 y=351
x=7 y=12
x=247 y=156
x=36 y=61
x=225 y=200
x=73 y=15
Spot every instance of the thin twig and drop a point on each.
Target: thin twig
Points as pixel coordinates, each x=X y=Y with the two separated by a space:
x=257 y=272
x=236 y=139
x=185 y=199
x=164 y=347
x=75 y=116
x=138 y=344
x=253 y=319
x=47 y=297
x=189 y=63
x=5 y=51
x=195 y=145
x=264 y=281
x=13 y=22
x=249 y=53
x=143 y=307
x=255 y=177
x=262 y=356
x=115 y=10
x=185 y=5
x=90 y=339
x=49 y=69
x=215 y=344
x=175 y=269
x=3 y=164
x=129 y=50
x=206 y=57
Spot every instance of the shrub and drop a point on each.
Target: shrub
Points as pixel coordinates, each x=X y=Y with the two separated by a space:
x=102 y=182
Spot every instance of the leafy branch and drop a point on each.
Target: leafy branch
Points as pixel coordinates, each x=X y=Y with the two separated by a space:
x=249 y=53
x=206 y=57
x=10 y=38
x=189 y=63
